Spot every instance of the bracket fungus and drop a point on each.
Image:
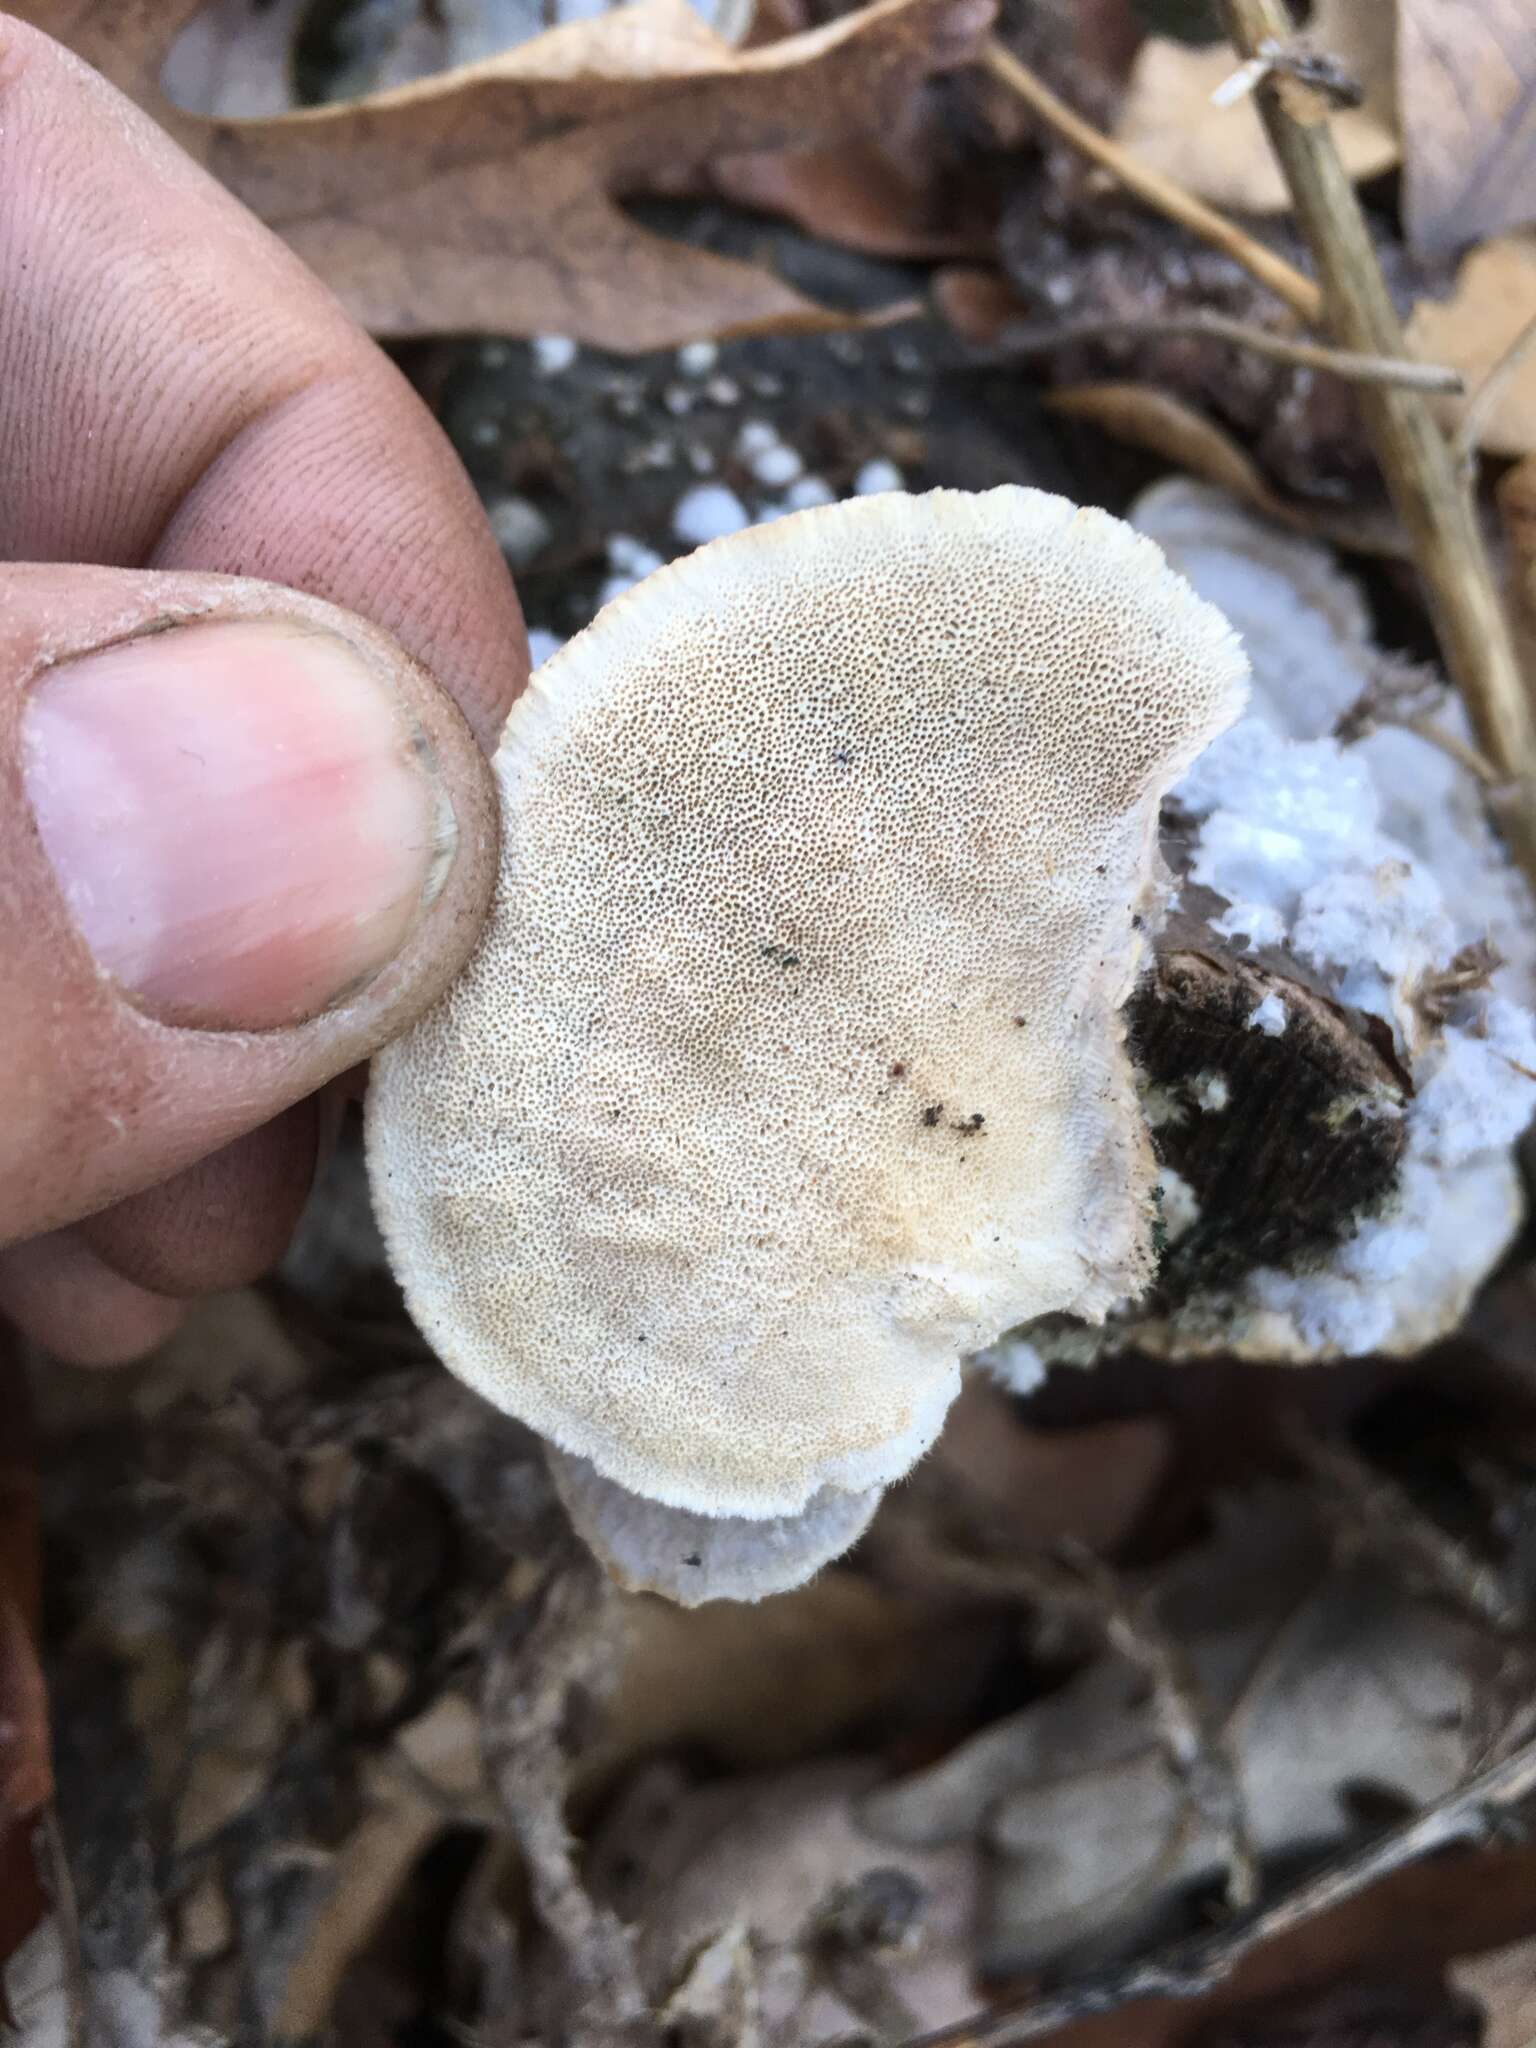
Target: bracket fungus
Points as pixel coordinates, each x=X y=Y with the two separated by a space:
x=790 y=1067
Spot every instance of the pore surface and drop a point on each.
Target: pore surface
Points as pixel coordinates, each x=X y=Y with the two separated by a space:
x=789 y=1068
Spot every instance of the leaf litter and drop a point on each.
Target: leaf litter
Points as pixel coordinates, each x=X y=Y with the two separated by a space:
x=1138 y=1713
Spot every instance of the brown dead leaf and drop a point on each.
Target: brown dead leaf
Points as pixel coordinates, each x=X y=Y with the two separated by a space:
x=490 y=198
x=1167 y=427
x=758 y=1685
x=1402 y=1929
x=763 y=1854
x=1319 y=1675
x=1504 y=1985
x=1038 y=1488
x=1466 y=72
x=1493 y=300
x=978 y=304
x=860 y=195
x=235 y=58
x=1185 y=438
x=1168 y=122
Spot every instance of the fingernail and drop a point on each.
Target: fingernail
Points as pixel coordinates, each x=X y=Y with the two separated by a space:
x=241 y=815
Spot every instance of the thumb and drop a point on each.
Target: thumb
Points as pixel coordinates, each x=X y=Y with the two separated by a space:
x=244 y=839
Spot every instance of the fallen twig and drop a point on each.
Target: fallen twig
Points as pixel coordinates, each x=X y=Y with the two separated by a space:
x=1372 y=1512
x=528 y=1686
x=1190 y=1968
x=1416 y=460
x=1313 y=355
x=1077 y=1584
x=1282 y=278
x=1310 y=67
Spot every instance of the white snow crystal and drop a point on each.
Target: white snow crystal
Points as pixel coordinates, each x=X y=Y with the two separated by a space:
x=697 y=358
x=1269 y=1015
x=755 y=438
x=807 y=491
x=776 y=465
x=707 y=512
x=552 y=353
x=878 y=475
x=521 y=529
x=542 y=644
x=1373 y=864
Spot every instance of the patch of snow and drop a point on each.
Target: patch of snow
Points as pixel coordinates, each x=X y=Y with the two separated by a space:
x=522 y=532
x=876 y=476
x=708 y=512
x=807 y=491
x=697 y=358
x=1269 y=1016
x=552 y=353
x=542 y=644
x=777 y=465
x=1373 y=863
x=756 y=438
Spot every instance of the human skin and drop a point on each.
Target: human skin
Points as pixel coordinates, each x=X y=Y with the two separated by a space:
x=246 y=827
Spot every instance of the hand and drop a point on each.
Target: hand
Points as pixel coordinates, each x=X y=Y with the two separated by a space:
x=246 y=834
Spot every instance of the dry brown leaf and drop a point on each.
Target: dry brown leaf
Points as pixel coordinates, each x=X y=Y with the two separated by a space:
x=1494 y=298
x=1466 y=78
x=489 y=198
x=765 y=1684
x=1222 y=153
x=1319 y=1675
x=859 y=195
x=977 y=303
x=1039 y=1488
x=1504 y=1985
x=1150 y=419
x=1189 y=441
x=764 y=1854
x=235 y=58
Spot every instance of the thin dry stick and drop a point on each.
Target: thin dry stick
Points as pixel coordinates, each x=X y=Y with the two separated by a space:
x=1415 y=459
x=1470 y=432
x=1461 y=751
x=528 y=1682
x=1190 y=1733
x=1311 y=355
x=1191 y=1968
x=1078 y=1584
x=1372 y=1512
x=1282 y=278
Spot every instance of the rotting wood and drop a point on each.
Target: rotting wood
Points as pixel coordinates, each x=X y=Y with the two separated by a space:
x=1321 y=1104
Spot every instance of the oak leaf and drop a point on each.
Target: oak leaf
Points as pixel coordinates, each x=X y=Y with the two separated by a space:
x=1168 y=121
x=1466 y=77
x=1493 y=301
x=491 y=197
